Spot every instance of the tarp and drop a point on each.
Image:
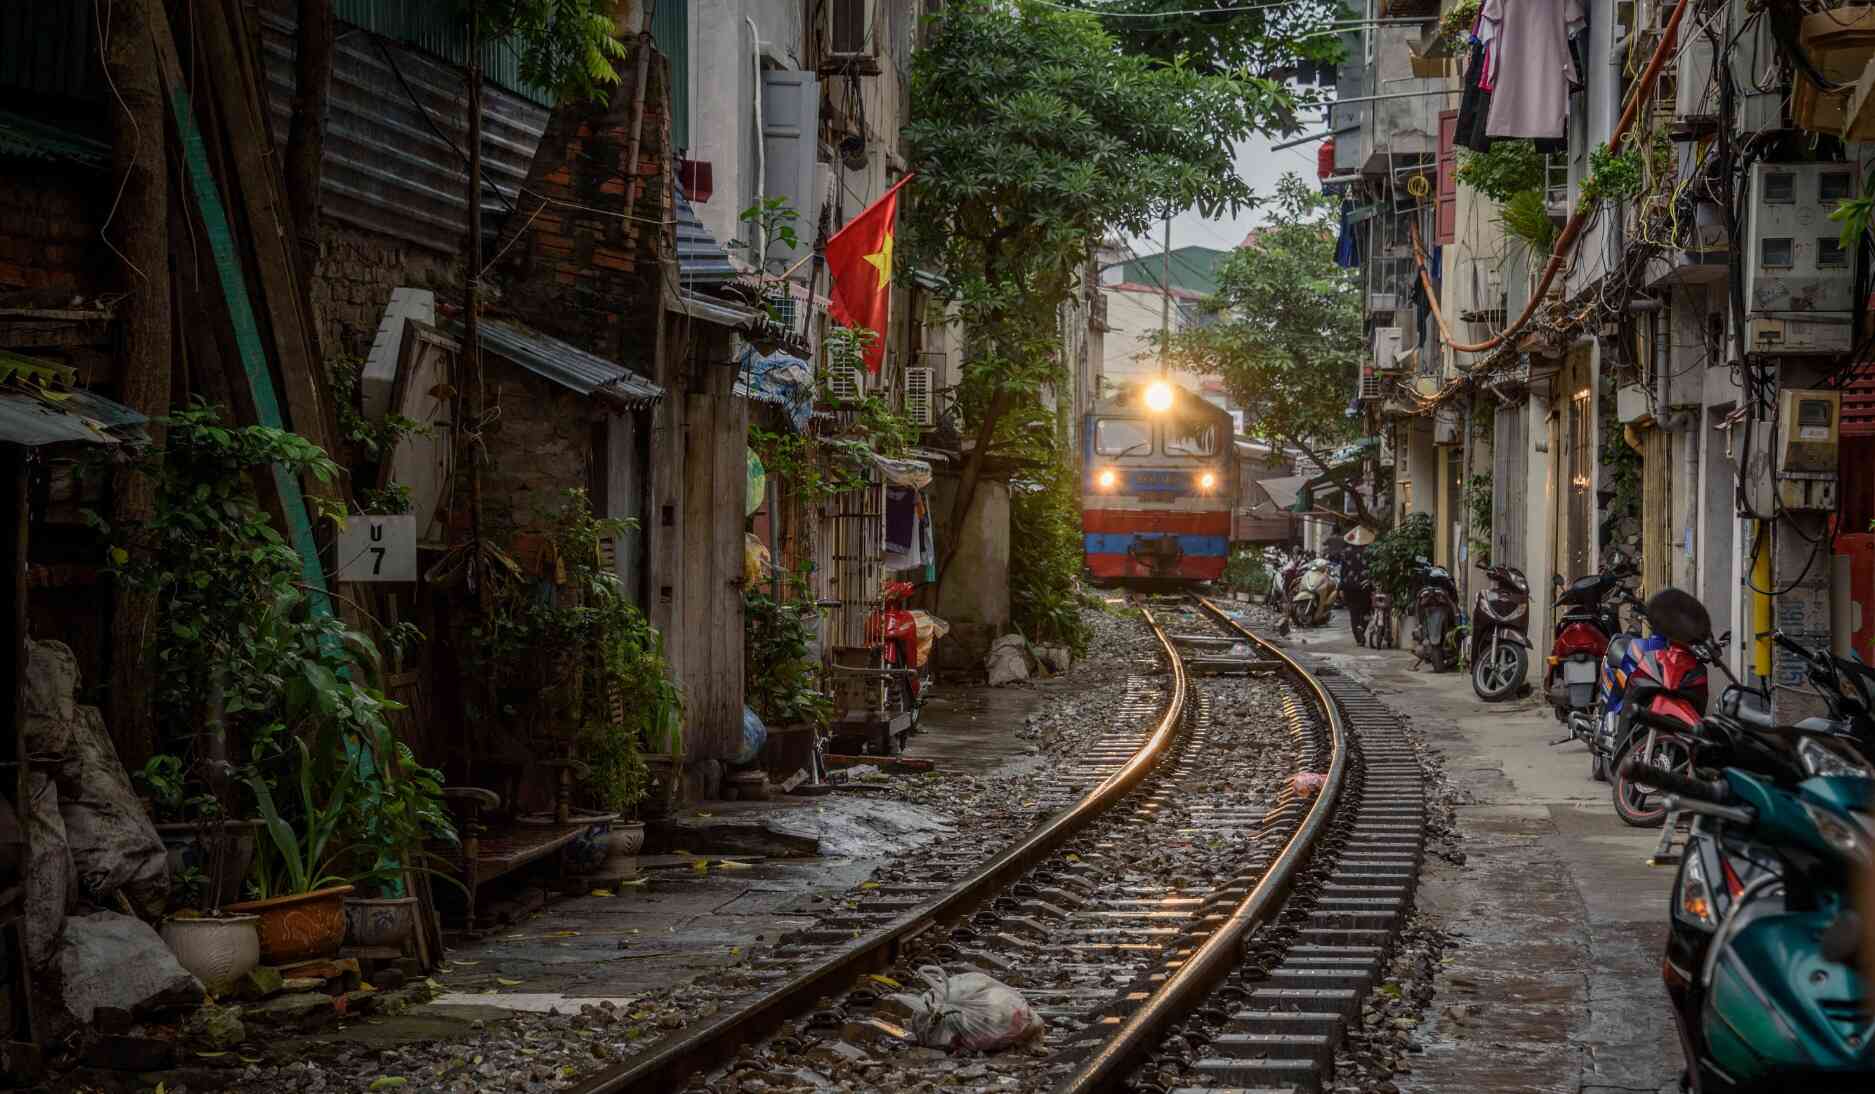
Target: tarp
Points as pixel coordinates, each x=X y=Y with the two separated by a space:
x=779 y=378
x=1285 y=492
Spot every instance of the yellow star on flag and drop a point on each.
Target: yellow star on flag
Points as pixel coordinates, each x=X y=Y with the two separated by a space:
x=881 y=259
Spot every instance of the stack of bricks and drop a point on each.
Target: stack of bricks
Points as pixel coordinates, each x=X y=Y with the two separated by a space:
x=589 y=269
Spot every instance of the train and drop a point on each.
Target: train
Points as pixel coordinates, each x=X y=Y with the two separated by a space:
x=1158 y=474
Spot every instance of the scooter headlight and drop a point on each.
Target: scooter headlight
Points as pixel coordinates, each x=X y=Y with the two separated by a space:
x=1821 y=760
x=1846 y=838
x=1695 y=903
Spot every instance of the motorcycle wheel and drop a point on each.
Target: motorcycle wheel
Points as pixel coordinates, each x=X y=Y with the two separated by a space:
x=1434 y=640
x=1638 y=804
x=1497 y=674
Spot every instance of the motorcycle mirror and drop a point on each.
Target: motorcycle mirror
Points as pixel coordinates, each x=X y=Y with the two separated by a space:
x=1422 y=560
x=1556 y=580
x=1723 y=640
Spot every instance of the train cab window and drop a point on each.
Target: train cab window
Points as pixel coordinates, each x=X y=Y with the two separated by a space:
x=1190 y=439
x=1122 y=437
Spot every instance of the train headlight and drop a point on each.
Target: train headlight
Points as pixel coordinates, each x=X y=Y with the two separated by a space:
x=1106 y=478
x=1158 y=396
x=1207 y=481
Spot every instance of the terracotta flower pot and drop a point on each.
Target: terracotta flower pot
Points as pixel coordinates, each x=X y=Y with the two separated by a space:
x=218 y=951
x=301 y=926
x=386 y=921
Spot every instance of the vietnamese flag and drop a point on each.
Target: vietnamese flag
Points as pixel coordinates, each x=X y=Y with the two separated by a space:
x=859 y=256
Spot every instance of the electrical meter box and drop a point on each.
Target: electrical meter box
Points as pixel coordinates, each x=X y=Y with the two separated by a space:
x=1797 y=272
x=1806 y=421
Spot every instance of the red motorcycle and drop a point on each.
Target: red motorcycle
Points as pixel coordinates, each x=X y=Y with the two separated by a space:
x=894 y=629
x=1589 y=616
x=1657 y=701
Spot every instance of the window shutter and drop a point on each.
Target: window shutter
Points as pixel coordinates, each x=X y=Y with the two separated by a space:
x=790 y=153
x=1448 y=178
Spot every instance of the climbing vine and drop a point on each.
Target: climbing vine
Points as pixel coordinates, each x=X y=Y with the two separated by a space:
x=1045 y=520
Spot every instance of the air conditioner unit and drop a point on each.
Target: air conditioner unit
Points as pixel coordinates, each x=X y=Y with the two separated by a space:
x=1798 y=275
x=1387 y=343
x=850 y=28
x=921 y=395
x=845 y=383
x=1368 y=386
x=1697 y=95
x=783 y=308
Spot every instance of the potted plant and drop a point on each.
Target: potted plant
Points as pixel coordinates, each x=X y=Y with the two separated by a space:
x=301 y=896
x=392 y=817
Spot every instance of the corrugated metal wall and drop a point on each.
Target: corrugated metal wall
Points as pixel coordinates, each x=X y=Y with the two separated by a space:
x=50 y=49
x=387 y=169
x=437 y=28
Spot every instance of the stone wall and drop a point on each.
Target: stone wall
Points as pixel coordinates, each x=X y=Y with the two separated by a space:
x=357 y=271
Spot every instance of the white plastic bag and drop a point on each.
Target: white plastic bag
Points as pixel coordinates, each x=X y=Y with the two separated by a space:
x=970 y=1012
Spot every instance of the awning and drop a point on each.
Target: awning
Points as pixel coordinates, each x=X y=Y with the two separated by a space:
x=75 y=417
x=701 y=260
x=708 y=309
x=898 y=472
x=1285 y=492
x=565 y=364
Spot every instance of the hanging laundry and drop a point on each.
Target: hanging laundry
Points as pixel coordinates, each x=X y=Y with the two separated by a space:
x=901 y=519
x=1347 y=248
x=1474 y=108
x=1530 y=68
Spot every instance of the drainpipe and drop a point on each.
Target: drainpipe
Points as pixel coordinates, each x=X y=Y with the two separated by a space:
x=761 y=149
x=638 y=112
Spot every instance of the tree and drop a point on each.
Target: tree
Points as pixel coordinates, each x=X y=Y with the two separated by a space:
x=1289 y=340
x=1033 y=134
x=1273 y=40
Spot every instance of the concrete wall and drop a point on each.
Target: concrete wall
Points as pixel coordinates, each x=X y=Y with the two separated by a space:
x=1127 y=353
x=722 y=106
x=974 y=596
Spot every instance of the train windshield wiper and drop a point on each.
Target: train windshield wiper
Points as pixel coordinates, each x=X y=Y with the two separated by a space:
x=1132 y=448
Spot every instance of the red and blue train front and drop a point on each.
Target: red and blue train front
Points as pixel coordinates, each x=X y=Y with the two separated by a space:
x=1155 y=522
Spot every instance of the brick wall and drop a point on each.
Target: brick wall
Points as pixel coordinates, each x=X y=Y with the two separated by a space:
x=587 y=269
x=49 y=234
x=542 y=448
x=357 y=271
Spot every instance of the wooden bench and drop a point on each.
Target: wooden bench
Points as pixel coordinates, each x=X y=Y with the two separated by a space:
x=491 y=850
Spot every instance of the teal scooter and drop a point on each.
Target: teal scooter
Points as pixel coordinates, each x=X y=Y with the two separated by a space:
x=1785 y=1005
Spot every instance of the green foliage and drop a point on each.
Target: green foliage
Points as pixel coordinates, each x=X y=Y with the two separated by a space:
x=773 y=220
x=1613 y=176
x=1621 y=463
x=1265 y=39
x=566 y=46
x=1478 y=500
x=1289 y=340
x=302 y=857
x=1393 y=558
x=1044 y=587
x=1508 y=168
x=1526 y=218
x=1246 y=573
x=782 y=670
x=1855 y=214
x=811 y=471
x=1455 y=25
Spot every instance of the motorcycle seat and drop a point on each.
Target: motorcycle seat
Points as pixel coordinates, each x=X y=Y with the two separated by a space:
x=1754 y=709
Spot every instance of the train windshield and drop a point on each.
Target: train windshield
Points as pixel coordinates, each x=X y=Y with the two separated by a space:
x=1122 y=437
x=1190 y=439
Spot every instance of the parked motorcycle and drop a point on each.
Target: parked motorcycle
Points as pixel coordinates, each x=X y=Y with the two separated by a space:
x=1498 y=646
x=1587 y=618
x=1655 y=701
x=1379 y=630
x=1435 y=616
x=1314 y=596
x=1771 y=995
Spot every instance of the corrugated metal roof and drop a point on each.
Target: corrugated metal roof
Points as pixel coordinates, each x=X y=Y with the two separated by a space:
x=437 y=27
x=386 y=169
x=701 y=260
x=670 y=29
x=79 y=417
x=563 y=363
x=24 y=138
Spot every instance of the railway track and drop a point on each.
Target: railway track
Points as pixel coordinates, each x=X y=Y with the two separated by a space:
x=1174 y=841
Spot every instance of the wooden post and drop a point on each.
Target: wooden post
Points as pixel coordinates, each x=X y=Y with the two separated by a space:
x=306 y=137
x=141 y=230
x=471 y=278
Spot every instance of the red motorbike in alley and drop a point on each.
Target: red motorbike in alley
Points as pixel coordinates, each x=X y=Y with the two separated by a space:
x=1589 y=615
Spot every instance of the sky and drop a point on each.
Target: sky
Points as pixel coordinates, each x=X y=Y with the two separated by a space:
x=1261 y=167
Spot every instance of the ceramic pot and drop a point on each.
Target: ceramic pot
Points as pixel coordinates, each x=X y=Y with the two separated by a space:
x=627 y=839
x=380 y=921
x=667 y=773
x=188 y=848
x=219 y=952
x=299 y=927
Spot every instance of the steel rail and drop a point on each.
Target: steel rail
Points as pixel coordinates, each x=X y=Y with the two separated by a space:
x=1107 y=1068
x=668 y=1063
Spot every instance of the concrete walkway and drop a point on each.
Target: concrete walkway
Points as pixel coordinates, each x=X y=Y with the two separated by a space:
x=1552 y=981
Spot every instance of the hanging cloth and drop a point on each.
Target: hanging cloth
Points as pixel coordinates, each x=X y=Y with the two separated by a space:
x=1532 y=69
x=1347 y=250
x=1475 y=106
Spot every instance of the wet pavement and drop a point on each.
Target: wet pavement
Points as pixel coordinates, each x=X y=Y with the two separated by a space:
x=1552 y=980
